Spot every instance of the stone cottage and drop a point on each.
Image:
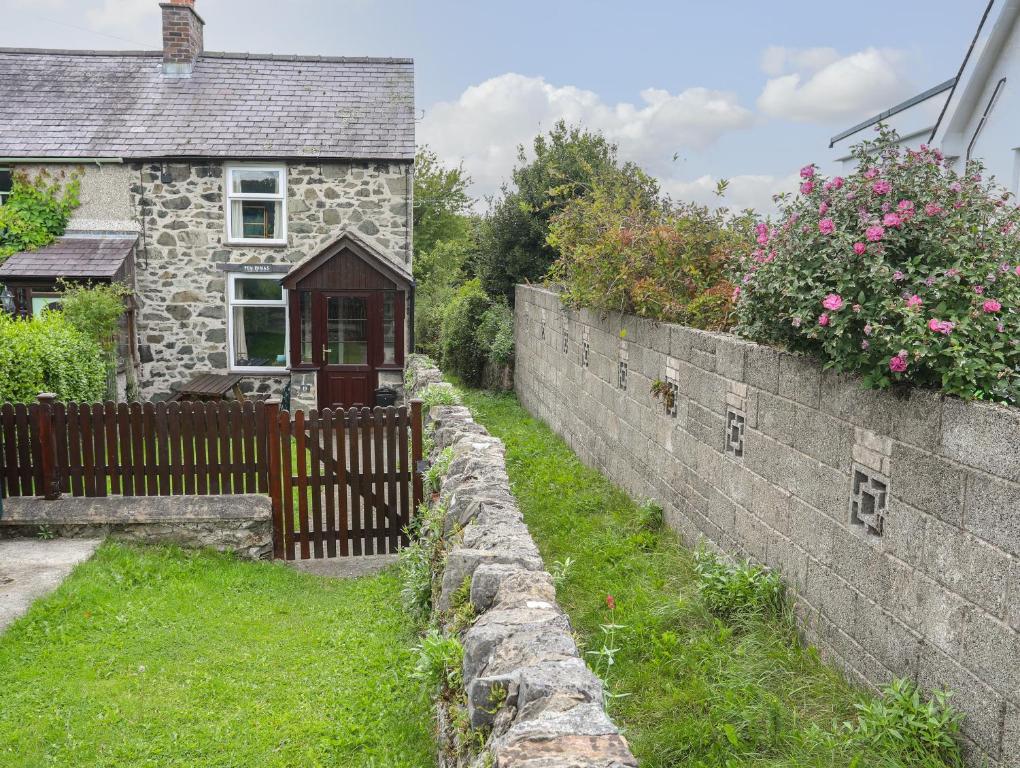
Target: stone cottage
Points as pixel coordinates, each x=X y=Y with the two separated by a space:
x=261 y=205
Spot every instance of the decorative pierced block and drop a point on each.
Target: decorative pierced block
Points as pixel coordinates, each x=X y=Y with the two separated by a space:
x=541 y=331
x=672 y=396
x=735 y=432
x=622 y=380
x=585 y=353
x=868 y=500
x=566 y=342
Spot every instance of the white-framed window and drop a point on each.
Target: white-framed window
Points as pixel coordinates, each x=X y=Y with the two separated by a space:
x=256 y=323
x=256 y=204
x=6 y=184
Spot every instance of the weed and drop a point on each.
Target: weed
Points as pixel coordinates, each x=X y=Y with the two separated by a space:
x=439 y=663
x=903 y=721
x=651 y=516
x=737 y=590
x=439 y=468
x=45 y=533
x=419 y=559
x=560 y=570
x=439 y=394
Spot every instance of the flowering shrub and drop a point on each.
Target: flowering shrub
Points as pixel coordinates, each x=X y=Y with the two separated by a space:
x=619 y=251
x=904 y=271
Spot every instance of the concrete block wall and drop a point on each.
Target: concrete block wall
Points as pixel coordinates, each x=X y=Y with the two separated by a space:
x=761 y=457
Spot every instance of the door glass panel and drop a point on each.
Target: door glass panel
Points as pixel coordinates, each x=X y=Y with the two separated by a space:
x=305 y=305
x=346 y=330
x=389 y=325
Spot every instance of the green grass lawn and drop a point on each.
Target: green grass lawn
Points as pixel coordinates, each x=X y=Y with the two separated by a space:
x=158 y=657
x=695 y=691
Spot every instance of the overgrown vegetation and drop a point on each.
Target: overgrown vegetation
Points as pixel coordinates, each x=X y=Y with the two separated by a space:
x=49 y=354
x=163 y=657
x=37 y=211
x=96 y=310
x=904 y=271
x=715 y=674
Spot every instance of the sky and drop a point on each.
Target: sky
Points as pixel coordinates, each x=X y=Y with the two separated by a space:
x=692 y=90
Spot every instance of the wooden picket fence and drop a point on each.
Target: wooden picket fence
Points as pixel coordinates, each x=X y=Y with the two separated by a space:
x=340 y=482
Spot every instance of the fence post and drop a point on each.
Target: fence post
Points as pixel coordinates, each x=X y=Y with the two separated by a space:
x=273 y=449
x=416 y=454
x=47 y=447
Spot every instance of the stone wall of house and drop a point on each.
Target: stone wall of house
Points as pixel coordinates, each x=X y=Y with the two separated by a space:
x=524 y=679
x=895 y=522
x=181 y=283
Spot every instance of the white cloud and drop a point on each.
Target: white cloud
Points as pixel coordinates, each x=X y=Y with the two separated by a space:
x=777 y=60
x=817 y=87
x=484 y=126
x=125 y=16
x=744 y=191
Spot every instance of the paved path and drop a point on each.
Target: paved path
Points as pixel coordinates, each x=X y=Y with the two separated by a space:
x=345 y=567
x=32 y=568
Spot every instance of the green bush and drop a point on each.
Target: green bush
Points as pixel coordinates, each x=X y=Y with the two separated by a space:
x=36 y=212
x=48 y=354
x=439 y=663
x=737 y=591
x=620 y=250
x=437 y=273
x=905 y=272
x=496 y=333
x=462 y=352
x=95 y=309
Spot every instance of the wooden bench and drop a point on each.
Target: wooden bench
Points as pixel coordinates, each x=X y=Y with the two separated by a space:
x=209 y=386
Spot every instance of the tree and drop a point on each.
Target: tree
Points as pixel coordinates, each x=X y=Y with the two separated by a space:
x=441 y=202
x=567 y=164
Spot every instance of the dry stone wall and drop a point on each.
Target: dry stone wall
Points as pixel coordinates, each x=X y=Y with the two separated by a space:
x=552 y=713
x=895 y=521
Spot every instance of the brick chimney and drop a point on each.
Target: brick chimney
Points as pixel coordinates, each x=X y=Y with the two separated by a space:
x=182 y=36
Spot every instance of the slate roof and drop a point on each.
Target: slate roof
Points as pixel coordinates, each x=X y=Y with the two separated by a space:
x=71 y=257
x=234 y=105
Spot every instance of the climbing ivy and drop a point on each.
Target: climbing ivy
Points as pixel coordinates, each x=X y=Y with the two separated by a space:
x=37 y=210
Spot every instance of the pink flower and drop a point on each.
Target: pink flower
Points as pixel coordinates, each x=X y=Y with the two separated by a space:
x=611 y=602
x=807 y=187
x=955 y=187
x=867 y=329
x=837 y=182
x=763 y=238
x=761 y=228
x=823 y=319
x=871 y=173
x=914 y=301
x=826 y=226
x=897 y=364
x=979 y=289
x=795 y=322
x=857 y=309
x=875 y=233
x=807 y=172
x=833 y=302
x=990 y=306
x=865 y=344
x=860 y=248
x=1017 y=270
x=1000 y=327
x=823 y=208
x=907 y=206
x=881 y=187
x=932 y=209
x=898 y=276
x=941 y=326
x=892 y=220
x=736 y=293
x=952 y=272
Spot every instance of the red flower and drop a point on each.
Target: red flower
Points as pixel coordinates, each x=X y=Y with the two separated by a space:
x=611 y=602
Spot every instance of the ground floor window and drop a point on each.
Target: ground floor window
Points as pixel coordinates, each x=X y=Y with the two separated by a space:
x=257 y=323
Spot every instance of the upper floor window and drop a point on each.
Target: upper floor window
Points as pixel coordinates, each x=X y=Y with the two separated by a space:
x=6 y=184
x=257 y=204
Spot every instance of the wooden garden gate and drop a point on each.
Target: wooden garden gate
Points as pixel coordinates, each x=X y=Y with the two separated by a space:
x=358 y=487
x=341 y=482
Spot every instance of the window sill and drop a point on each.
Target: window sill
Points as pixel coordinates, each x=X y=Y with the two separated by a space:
x=258 y=243
x=281 y=372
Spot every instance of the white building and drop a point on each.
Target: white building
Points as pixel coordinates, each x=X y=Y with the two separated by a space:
x=974 y=115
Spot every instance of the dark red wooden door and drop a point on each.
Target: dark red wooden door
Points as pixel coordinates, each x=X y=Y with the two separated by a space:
x=348 y=336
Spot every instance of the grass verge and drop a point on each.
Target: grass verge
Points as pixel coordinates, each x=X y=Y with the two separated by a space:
x=159 y=657
x=688 y=688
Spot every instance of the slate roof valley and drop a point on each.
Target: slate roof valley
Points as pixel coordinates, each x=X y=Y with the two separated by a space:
x=119 y=104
